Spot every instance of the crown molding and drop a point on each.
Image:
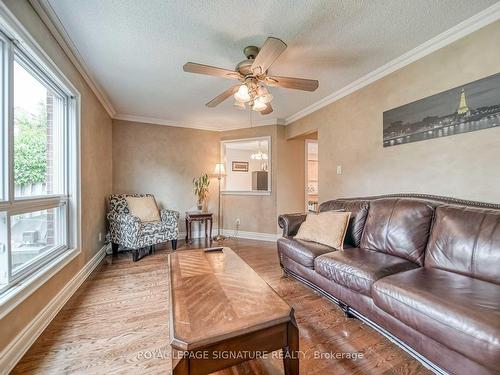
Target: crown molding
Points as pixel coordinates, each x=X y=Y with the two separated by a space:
x=464 y=28
x=195 y=125
x=56 y=28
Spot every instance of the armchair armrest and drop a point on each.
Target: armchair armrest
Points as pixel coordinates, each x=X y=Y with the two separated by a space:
x=290 y=223
x=126 y=219
x=123 y=227
x=169 y=216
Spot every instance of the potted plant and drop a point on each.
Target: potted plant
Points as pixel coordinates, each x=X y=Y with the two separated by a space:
x=201 y=190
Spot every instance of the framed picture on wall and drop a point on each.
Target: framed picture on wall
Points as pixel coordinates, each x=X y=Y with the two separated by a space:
x=466 y=108
x=239 y=166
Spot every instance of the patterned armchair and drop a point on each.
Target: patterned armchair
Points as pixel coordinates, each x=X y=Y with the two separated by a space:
x=127 y=230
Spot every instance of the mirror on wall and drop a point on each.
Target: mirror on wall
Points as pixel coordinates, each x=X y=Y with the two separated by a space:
x=247 y=165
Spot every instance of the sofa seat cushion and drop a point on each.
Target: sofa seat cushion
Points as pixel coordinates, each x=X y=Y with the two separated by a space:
x=301 y=251
x=457 y=311
x=357 y=269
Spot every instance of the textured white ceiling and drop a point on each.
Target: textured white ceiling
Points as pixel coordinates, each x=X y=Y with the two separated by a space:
x=135 y=50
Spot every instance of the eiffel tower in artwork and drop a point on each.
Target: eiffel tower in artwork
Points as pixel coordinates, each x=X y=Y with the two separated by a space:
x=463 y=109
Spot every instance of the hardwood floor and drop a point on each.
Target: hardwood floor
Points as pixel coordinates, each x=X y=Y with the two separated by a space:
x=117 y=323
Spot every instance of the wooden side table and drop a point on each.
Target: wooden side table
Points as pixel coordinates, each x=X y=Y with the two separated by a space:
x=203 y=217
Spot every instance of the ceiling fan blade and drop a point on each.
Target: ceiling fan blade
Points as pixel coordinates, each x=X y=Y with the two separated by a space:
x=270 y=51
x=191 y=67
x=268 y=110
x=292 y=83
x=220 y=98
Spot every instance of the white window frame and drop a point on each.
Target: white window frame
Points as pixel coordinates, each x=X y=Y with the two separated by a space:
x=269 y=163
x=36 y=272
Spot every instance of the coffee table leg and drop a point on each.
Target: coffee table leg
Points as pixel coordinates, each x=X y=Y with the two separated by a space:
x=181 y=367
x=291 y=351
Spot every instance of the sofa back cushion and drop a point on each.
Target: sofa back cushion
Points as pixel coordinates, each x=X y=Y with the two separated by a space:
x=358 y=209
x=466 y=241
x=399 y=227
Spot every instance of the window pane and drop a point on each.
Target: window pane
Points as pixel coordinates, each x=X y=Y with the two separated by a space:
x=38 y=148
x=36 y=233
x=3 y=249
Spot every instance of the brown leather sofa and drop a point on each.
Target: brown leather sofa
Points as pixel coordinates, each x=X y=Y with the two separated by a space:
x=422 y=270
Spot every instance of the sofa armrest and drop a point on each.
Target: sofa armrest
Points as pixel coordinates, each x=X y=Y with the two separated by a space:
x=169 y=216
x=290 y=223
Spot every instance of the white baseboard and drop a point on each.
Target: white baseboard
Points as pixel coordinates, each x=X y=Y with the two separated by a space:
x=234 y=233
x=251 y=235
x=23 y=341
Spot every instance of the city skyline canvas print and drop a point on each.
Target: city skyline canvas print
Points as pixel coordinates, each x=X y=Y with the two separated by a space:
x=470 y=107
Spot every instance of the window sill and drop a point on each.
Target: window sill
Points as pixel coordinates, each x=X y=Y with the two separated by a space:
x=12 y=297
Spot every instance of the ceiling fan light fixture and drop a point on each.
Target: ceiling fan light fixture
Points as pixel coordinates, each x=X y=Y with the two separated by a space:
x=243 y=94
x=259 y=105
x=263 y=95
x=239 y=105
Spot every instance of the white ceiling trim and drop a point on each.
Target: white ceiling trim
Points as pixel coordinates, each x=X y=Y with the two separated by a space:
x=464 y=28
x=50 y=19
x=195 y=125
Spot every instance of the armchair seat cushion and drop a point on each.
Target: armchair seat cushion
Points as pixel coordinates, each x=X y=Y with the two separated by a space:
x=152 y=227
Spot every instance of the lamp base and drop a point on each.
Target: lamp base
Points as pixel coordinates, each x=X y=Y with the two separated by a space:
x=219 y=237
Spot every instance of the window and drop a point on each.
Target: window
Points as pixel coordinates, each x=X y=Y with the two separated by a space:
x=247 y=165
x=37 y=165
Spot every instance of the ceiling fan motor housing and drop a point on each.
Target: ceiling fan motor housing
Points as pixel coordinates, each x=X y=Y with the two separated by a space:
x=251 y=52
x=244 y=67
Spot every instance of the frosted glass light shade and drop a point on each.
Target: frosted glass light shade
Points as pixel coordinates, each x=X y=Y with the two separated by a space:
x=259 y=105
x=242 y=95
x=263 y=95
x=239 y=105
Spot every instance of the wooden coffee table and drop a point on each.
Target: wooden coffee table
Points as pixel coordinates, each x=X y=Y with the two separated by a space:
x=222 y=313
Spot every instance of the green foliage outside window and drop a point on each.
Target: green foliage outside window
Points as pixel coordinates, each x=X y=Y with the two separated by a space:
x=30 y=147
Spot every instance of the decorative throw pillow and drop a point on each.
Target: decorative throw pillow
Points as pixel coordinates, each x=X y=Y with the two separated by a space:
x=144 y=208
x=327 y=228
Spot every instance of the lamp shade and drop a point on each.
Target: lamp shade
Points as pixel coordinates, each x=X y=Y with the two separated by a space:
x=219 y=169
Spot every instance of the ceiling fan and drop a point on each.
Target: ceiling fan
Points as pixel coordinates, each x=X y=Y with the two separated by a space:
x=252 y=74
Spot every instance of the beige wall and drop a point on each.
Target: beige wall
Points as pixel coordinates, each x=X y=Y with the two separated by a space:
x=350 y=132
x=259 y=213
x=163 y=160
x=291 y=174
x=96 y=167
